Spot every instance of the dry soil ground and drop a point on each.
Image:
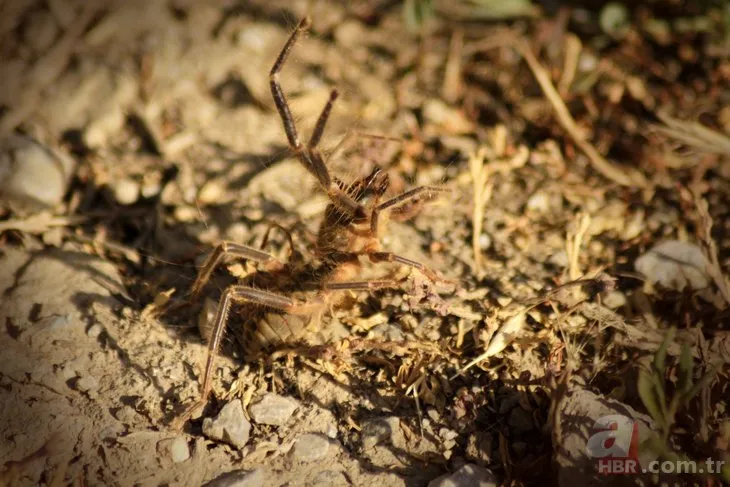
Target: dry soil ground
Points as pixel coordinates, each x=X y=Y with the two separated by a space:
x=545 y=129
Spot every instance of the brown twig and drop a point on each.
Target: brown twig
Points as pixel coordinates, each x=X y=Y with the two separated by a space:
x=452 y=85
x=714 y=269
x=624 y=177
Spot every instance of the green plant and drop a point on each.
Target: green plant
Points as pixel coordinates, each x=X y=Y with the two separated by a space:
x=416 y=13
x=662 y=408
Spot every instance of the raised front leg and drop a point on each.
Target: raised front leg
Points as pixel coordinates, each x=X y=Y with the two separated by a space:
x=309 y=155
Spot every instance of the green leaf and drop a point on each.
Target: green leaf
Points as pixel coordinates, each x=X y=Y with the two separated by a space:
x=725 y=473
x=685 y=370
x=658 y=382
x=648 y=397
x=660 y=358
x=704 y=381
x=615 y=19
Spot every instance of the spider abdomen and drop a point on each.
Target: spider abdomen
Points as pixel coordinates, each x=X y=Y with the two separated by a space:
x=275 y=331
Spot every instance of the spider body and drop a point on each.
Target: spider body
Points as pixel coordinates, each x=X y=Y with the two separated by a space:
x=283 y=301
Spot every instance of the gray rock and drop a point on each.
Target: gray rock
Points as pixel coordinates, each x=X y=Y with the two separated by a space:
x=467 y=476
x=310 y=447
x=675 y=265
x=539 y=202
x=239 y=478
x=230 y=426
x=578 y=413
x=32 y=175
x=273 y=409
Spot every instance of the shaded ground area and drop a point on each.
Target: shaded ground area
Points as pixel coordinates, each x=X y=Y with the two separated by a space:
x=585 y=232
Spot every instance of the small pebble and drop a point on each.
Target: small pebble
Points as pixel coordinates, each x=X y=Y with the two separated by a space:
x=150 y=188
x=230 y=426
x=94 y=331
x=87 y=383
x=485 y=241
x=467 y=476
x=614 y=299
x=125 y=414
x=559 y=259
x=177 y=448
x=331 y=430
x=211 y=193
x=448 y=434
x=237 y=232
x=126 y=191
x=540 y=202
x=450 y=119
x=310 y=447
x=273 y=409
x=32 y=175
x=239 y=478
x=378 y=430
x=433 y=414
x=253 y=38
x=186 y=213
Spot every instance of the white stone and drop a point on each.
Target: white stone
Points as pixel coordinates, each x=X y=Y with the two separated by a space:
x=179 y=451
x=176 y=448
x=126 y=191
